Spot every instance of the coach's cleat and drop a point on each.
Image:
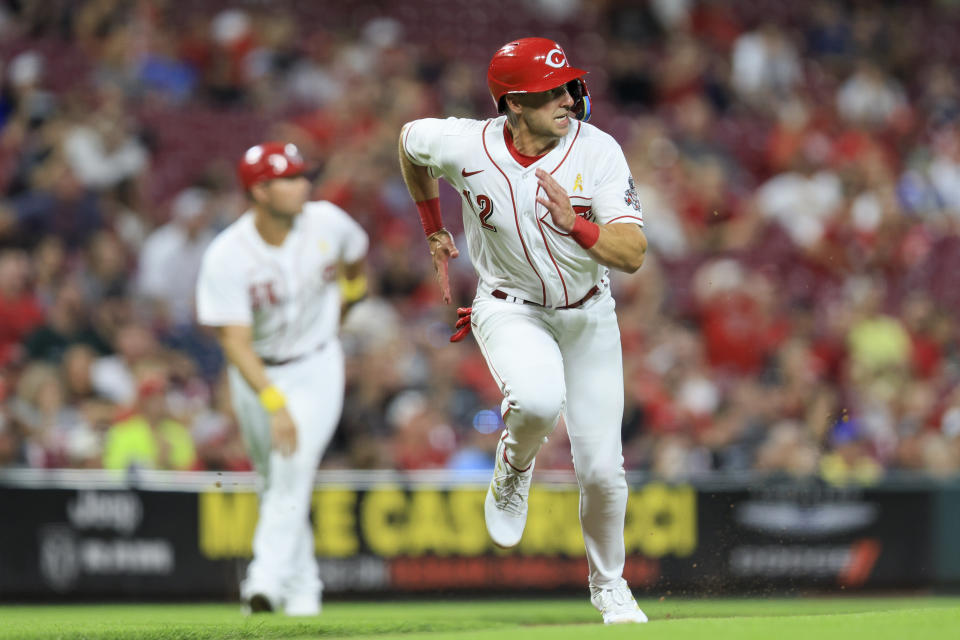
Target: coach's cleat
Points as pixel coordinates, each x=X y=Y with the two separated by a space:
x=505 y=508
x=617 y=604
x=259 y=603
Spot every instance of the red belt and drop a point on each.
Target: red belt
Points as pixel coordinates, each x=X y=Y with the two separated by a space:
x=496 y=293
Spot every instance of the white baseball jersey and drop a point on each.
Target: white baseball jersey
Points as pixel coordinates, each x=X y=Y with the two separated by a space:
x=288 y=294
x=513 y=244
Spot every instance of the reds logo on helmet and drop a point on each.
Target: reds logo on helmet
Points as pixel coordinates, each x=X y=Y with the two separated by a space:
x=269 y=160
x=556 y=58
x=531 y=65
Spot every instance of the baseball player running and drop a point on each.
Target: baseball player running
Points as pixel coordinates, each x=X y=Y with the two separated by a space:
x=269 y=285
x=548 y=207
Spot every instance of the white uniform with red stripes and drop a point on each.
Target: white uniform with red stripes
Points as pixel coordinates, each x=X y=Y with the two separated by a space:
x=547 y=360
x=290 y=297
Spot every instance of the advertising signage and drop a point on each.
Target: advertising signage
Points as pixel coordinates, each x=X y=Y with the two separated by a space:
x=411 y=538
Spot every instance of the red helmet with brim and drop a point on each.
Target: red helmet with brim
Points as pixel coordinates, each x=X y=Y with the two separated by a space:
x=532 y=65
x=269 y=160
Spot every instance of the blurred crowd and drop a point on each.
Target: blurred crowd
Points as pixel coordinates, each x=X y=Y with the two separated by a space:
x=798 y=167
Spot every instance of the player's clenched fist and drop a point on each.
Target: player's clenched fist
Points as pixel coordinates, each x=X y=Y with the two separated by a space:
x=442 y=249
x=283 y=432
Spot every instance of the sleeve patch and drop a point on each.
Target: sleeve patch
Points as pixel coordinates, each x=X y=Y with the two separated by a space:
x=630 y=195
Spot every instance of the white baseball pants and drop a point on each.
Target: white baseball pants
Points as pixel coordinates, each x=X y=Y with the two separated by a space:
x=551 y=361
x=284 y=566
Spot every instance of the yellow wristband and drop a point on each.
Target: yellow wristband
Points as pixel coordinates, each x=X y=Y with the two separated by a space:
x=354 y=289
x=272 y=399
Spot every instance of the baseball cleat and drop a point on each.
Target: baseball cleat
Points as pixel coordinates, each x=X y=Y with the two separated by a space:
x=617 y=604
x=505 y=508
x=259 y=603
x=302 y=606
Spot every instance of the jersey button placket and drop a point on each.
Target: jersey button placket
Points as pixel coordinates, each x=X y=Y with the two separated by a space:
x=527 y=191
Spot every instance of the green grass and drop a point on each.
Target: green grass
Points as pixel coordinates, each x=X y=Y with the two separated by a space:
x=784 y=619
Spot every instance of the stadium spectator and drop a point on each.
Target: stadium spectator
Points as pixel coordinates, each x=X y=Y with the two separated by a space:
x=115 y=375
x=67 y=323
x=149 y=439
x=102 y=151
x=48 y=263
x=49 y=425
x=869 y=97
x=765 y=64
x=803 y=200
x=20 y=310
x=82 y=394
x=170 y=260
x=27 y=103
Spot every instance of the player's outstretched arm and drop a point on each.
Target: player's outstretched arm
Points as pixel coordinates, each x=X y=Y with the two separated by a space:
x=425 y=192
x=442 y=248
x=618 y=246
x=237 y=344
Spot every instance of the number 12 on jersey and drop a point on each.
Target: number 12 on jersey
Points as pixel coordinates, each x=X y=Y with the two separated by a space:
x=486 y=209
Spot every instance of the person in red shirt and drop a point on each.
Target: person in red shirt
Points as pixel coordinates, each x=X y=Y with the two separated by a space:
x=740 y=325
x=20 y=311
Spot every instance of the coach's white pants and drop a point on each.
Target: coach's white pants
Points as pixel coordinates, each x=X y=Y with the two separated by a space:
x=284 y=566
x=552 y=361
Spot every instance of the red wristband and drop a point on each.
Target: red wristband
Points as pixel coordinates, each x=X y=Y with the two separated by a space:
x=585 y=232
x=430 y=216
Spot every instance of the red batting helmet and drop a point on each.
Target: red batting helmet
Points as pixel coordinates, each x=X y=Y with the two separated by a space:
x=531 y=65
x=268 y=161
